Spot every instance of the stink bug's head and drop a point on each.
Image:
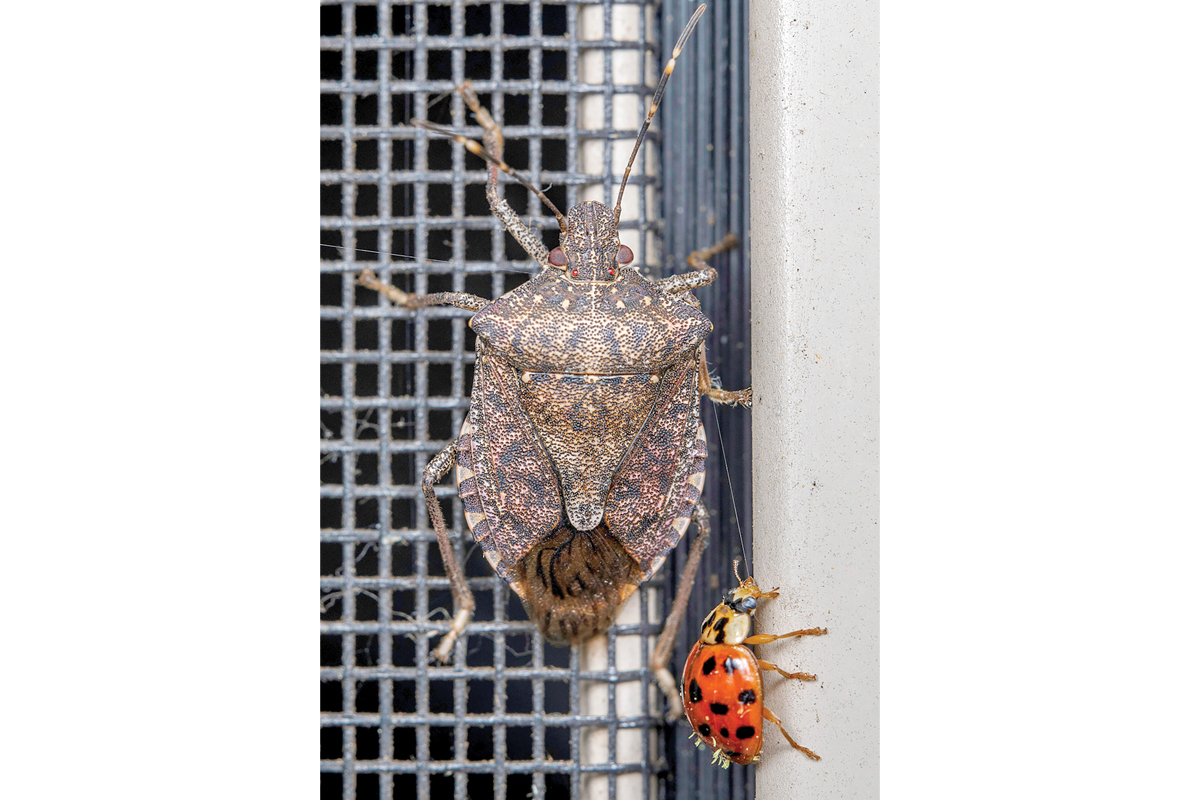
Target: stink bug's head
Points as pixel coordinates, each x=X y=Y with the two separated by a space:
x=590 y=249
x=729 y=623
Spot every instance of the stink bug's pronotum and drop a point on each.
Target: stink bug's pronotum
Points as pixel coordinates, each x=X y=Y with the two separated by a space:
x=722 y=680
x=581 y=460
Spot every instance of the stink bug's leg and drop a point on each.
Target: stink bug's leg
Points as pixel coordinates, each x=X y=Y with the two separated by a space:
x=767 y=715
x=666 y=639
x=742 y=398
x=698 y=258
x=764 y=638
x=464 y=601
x=493 y=139
x=407 y=300
x=803 y=676
x=704 y=274
x=674 y=284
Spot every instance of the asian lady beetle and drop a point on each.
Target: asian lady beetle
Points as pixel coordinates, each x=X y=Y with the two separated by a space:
x=722 y=680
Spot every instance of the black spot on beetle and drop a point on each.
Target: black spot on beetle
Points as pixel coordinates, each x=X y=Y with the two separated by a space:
x=694 y=693
x=747 y=696
x=745 y=732
x=720 y=637
x=719 y=708
x=721 y=623
x=725 y=733
x=708 y=620
x=704 y=729
x=710 y=665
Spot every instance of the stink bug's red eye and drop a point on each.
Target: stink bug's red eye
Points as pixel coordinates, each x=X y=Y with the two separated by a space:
x=558 y=258
x=624 y=255
x=612 y=271
x=574 y=273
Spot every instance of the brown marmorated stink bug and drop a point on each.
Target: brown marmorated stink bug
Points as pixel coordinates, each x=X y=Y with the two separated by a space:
x=581 y=460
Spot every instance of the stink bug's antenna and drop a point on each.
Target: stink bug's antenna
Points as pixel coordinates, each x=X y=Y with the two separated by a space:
x=476 y=148
x=721 y=442
x=658 y=93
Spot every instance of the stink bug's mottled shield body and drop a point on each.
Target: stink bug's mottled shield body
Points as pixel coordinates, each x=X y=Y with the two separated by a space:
x=722 y=687
x=581 y=461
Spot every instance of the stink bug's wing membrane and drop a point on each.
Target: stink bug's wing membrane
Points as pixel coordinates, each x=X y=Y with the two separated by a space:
x=514 y=477
x=661 y=464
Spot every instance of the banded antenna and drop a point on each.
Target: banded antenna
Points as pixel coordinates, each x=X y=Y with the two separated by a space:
x=658 y=93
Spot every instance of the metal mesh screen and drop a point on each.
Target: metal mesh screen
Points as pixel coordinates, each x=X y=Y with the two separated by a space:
x=706 y=192
x=510 y=716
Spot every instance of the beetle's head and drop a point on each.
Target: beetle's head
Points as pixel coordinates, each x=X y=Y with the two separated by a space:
x=729 y=623
x=590 y=249
x=744 y=599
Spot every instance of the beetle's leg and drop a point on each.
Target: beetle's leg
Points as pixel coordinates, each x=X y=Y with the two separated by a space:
x=493 y=139
x=670 y=631
x=704 y=274
x=407 y=300
x=742 y=398
x=764 y=638
x=802 y=676
x=767 y=715
x=464 y=601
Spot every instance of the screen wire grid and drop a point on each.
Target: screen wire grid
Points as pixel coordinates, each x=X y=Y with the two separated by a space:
x=509 y=717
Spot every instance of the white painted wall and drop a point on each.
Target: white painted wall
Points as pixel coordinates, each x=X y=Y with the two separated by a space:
x=814 y=185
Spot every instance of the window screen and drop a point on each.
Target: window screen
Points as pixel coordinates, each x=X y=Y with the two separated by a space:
x=567 y=82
